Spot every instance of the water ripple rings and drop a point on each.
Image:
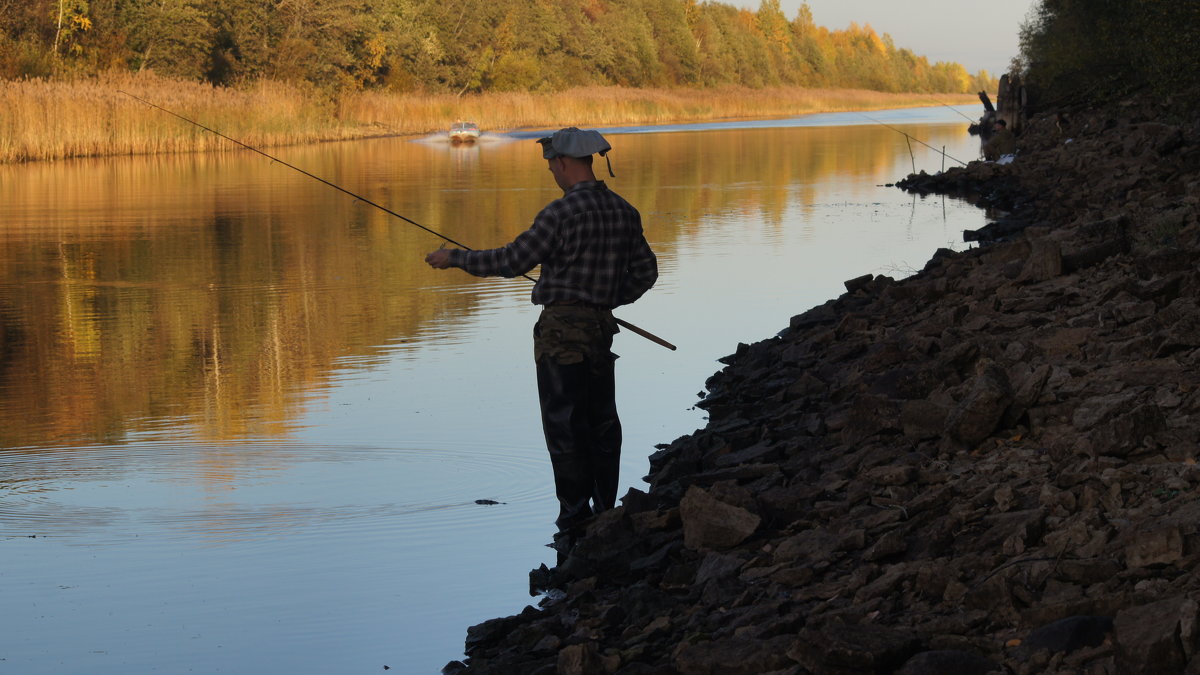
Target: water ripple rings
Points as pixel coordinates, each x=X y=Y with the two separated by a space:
x=222 y=492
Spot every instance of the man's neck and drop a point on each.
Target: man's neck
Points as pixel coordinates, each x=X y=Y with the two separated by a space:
x=580 y=177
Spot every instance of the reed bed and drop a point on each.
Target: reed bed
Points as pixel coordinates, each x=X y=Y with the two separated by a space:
x=41 y=120
x=612 y=106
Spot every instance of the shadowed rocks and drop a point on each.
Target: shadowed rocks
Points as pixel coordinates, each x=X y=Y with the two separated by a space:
x=989 y=466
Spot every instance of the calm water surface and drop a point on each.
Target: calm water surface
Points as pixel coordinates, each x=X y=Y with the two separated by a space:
x=243 y=427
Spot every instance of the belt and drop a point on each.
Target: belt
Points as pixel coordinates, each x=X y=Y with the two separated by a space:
x=577 y=303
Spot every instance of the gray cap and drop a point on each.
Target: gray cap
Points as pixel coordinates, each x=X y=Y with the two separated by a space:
x=572 y=142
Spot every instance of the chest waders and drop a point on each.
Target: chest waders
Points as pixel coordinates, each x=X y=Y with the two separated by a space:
x=577 y=392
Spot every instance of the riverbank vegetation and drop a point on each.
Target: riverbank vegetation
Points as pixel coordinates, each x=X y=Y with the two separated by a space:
x=1097 y=51
x=47 y=119
x=271 y=73
x=432 y=46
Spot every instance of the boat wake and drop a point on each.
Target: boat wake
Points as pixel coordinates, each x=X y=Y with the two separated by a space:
x=483 y=139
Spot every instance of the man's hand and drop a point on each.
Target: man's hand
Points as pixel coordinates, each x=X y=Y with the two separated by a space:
x=439 y=259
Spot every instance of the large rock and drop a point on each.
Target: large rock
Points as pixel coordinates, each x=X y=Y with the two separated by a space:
x=735 y=656
x=1044 y=262
x=1157 y=638
x=709 y=523
x=580 y=659
x=838 y=650
x=1069 y=634
x=980 y=411
x=949 y=662
x=1157 y=546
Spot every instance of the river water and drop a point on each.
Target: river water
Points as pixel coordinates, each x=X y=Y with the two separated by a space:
x=243 y=427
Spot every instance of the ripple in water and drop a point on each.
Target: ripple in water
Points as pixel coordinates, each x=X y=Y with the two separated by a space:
x=217 y=493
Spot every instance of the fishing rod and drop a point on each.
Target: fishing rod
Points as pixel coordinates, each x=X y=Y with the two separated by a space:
x=640 y=331
x=961 y=113
x=942 y=152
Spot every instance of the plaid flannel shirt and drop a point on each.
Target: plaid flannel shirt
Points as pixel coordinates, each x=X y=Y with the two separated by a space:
x=589 y=243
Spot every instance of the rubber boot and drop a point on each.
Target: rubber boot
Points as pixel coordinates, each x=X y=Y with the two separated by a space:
x=573 y=487
x=583 y=437
x=604 y=436
x=563 y=422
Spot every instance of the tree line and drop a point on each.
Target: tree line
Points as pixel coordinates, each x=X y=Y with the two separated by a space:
x=462 y=46
x=1101 y=50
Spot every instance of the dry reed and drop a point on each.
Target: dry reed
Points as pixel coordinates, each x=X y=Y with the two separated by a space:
x=610 y=106
x=42 y=119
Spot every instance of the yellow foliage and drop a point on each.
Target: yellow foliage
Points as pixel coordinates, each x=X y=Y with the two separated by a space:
x=376 y=50
x=874 y=40
x=50 y=120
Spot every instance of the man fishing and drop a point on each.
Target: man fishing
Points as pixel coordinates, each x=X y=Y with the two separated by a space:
x=594 y=257
x=1002 y=142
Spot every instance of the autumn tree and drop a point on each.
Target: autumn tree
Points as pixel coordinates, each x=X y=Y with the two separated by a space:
x=173 y=37
x=777 y=37
x=71 y=21
x=25 y=33
x=811 y=44
x=460 y=46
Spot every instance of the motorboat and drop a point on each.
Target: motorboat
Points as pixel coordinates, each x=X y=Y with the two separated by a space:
x=464 y=132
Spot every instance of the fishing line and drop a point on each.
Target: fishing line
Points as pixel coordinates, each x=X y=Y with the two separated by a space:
x=964 y=115
x=296 y=168
x=640 y=331
x=942 y=152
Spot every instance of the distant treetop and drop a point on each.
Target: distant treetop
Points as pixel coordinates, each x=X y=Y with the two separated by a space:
x=462 y=46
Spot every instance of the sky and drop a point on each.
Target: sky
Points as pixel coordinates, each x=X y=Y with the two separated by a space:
x=979 y=34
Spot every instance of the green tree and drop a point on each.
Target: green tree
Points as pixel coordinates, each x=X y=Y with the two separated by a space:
x=26 y=32
x=467 y=45
x=777 y=36
x=172 y=37
x=244 y=36
x=748 y=54
x=460 y=41
x=1098 y=50
x=71 y=20
x=409 y=62
x=807 y=38
x=630 y=33
x=322 y=41
x=674 y=42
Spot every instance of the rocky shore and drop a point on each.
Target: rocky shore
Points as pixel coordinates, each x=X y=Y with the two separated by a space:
x=989 y=466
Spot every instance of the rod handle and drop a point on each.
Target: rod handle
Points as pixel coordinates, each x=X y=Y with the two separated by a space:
x=646 y=334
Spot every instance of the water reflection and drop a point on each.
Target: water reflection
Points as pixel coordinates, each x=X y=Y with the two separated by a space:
x=220 y=291
x=248 y=426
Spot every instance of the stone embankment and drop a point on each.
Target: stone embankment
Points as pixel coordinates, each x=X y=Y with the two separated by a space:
x=989 y=466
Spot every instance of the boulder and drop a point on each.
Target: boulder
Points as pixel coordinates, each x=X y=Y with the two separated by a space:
x=949 y=662
x=982 y=408
x=709 y=523
x=853 y=649
x=1069 y=634
x=1160 y=637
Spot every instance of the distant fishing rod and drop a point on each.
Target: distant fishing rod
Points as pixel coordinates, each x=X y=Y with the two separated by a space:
x=961 y=113
x=942 y=152
x=640 y=331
